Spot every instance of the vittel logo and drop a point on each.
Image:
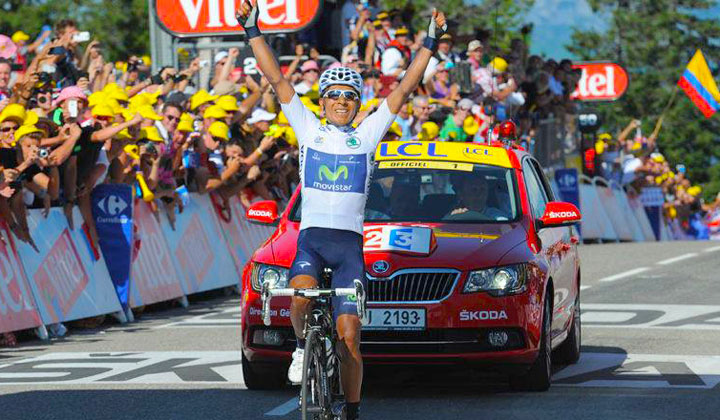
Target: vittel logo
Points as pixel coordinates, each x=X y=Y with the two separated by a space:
x=482 y=315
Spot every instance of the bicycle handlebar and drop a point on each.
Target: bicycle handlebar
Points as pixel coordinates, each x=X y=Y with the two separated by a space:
x=267 y=293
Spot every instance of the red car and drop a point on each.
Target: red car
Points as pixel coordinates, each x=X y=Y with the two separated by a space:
x=469 y=259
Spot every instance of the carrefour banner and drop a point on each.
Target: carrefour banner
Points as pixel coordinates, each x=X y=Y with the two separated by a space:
x=112 y=210
x=67 y=275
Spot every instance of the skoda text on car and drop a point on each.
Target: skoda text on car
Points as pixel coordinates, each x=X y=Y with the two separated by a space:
x=466 y=254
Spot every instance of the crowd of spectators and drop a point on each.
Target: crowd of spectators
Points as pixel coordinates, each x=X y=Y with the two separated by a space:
x=636 y=162
x=71 y=119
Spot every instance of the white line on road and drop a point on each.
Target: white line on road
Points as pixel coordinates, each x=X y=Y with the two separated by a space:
x=585 y=287
x=713 y=249
x=678 y=258
x=624 y=274
x=284 y=409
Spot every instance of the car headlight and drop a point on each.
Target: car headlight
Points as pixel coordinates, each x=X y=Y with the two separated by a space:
x=498 y=281
x=261 y=273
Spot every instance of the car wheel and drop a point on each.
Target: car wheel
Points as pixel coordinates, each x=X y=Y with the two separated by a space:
x=263 y=376
x=538 y=377
x=569 y=351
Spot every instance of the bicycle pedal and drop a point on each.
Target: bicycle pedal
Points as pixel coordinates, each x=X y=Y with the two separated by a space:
x=338 y=409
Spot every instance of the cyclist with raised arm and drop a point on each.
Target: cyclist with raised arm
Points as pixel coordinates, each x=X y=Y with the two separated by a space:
x=336 y=163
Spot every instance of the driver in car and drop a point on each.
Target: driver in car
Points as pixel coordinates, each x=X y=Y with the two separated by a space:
x=472 y=201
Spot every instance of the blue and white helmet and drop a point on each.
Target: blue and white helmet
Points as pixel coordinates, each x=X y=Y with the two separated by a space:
x=341 y=76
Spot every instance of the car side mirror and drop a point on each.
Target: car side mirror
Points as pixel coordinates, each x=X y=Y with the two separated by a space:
x=263 y=213
x=558 y=214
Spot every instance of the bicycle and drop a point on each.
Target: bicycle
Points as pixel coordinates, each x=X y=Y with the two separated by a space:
x=320 y=391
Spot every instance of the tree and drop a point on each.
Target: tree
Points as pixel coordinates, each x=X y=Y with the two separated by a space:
x=654 y=40
x=498 y=21
x=120 y=25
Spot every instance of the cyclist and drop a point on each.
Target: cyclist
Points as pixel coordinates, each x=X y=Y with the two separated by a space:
x=335 y=168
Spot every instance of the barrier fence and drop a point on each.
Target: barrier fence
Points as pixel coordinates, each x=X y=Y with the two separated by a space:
x=141 y=259
x=611 y=213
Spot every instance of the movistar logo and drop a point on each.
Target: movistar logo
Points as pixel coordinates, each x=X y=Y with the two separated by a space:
x=325 y=171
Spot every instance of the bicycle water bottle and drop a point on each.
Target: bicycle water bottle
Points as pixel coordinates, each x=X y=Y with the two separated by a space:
x=329 y=357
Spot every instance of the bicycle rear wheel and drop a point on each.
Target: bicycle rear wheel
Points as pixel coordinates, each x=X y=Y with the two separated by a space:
x=315 y=387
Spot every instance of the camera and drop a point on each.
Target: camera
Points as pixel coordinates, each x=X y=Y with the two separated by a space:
x=43 y=152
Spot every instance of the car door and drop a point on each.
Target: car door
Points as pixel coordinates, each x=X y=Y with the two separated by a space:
x=551 y=238
x=566 y=287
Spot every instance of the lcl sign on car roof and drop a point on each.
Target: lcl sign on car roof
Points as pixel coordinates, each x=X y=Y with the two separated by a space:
x=215 y=17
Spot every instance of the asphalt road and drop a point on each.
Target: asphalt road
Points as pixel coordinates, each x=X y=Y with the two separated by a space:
x=651 y=335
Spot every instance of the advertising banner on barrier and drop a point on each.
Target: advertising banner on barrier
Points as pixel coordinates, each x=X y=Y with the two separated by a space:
x=17 y=306
x=568 y=185
x=154 y=277
x=112 y=210
x=68 y=278
x=199 y=249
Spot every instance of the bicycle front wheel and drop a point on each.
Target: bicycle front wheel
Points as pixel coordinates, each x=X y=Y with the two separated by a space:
x=315 y=387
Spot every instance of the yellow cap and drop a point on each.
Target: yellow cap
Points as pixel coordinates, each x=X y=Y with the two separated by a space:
x=429 y=131
x=146 y=60
x=395 y=129
x=117 y=94
x=151 y=133
x=402 y=31
x=103 y=110
x=499 y=64
x=282 y=119
x=219 y=129
x=214 y=111
x=599 y=147
x=186 y=117
x=147 y=112
x=383 y=15
x=201 y=97
x=185 y=126
x=25 y=130
x=605 y=136
x=20 y=36
x=377 y=23
x=657 y=157
x=290 y=136
x=114 y=105
x=695 y=190
x=31 y=118
x=374 y=102
x=228 y=103
x=470 y=126
x=14 y=112
x=96 y=98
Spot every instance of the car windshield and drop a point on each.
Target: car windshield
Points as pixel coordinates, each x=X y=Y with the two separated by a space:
x=474 y=194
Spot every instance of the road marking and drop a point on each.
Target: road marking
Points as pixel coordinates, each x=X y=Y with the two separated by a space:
x=284 y=409
x=651 y=316
x=175 y=367
x=678 y=258
x=713 y=249
x=618 y=370
x=624 y=274
x=227 y=318
x=585 y=287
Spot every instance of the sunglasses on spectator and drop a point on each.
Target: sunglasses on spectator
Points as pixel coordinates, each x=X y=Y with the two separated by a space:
x=337 y=94
x=172 y=118
x=8 y=129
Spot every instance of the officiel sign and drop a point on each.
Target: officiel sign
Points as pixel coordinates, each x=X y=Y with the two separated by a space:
x=188 y=18
x=600 y=82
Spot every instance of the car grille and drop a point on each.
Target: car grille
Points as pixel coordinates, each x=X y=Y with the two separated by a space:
x=412 y=286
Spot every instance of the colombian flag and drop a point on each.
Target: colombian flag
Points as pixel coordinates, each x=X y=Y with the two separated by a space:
x=699 y=85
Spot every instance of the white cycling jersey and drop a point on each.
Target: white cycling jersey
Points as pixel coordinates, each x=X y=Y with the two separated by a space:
x=336 y=164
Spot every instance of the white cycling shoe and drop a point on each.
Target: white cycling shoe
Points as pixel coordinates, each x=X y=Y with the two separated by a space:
x=295 y=371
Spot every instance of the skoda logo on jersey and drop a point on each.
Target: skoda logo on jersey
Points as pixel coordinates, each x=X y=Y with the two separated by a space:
x=319 y=140
x=352 y=142
x=381 y=266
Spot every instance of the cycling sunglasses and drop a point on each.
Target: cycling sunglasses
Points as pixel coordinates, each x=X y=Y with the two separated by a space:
x=336 y=94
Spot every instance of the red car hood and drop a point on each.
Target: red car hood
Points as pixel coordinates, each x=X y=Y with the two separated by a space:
x=460 y=246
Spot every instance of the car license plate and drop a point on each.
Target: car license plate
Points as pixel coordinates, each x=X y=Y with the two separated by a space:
x=395 y=319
